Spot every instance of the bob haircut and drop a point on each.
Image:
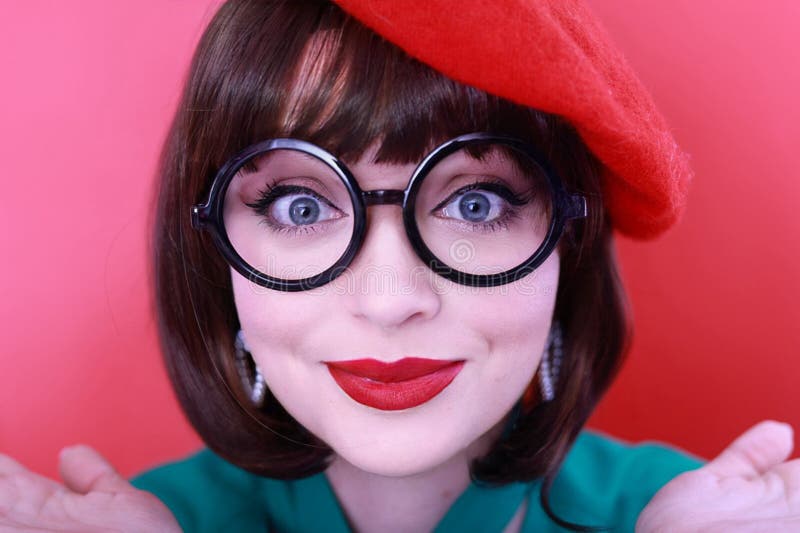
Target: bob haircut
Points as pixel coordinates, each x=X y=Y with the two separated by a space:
x=282 y=68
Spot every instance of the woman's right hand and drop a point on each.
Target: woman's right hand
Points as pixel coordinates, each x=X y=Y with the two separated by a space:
x=93 y=498
x=749 y=487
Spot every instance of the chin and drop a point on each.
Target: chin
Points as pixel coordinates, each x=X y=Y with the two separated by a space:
x=396 y=460
x=402 y=450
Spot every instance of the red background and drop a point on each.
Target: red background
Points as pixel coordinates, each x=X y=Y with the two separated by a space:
x=88 y=88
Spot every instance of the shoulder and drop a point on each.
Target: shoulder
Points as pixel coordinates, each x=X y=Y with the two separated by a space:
x=605 y=481
x=206 y=493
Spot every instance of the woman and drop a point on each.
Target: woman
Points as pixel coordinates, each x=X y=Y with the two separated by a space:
x=495 y=323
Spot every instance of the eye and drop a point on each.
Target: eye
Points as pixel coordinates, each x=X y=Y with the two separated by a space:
x=300 y=210
x=475 y=206
x=292 y=207
x=480 y=203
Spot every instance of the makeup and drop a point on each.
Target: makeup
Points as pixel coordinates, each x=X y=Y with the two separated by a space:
x=402 y=384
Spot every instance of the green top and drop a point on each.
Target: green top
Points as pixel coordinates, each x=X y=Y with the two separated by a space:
x=603 y=482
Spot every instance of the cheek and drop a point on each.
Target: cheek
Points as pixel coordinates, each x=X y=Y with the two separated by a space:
x=276 y=325
x=516 y=314
x=271 y=318
x=257 y=308
x=514 y=320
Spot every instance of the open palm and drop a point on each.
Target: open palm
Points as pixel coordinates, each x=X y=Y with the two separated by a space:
x=749 y=487
x=94 y=497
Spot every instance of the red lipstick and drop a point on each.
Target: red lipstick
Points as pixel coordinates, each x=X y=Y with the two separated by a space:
x=393 y=386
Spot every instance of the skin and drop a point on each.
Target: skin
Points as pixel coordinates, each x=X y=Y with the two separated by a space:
x=403 y=468
x=749 y=488
x=92 y=498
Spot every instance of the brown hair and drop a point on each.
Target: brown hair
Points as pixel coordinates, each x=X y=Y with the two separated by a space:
x=241 y=89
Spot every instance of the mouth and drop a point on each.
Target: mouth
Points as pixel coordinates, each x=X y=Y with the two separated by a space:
x=403 y=384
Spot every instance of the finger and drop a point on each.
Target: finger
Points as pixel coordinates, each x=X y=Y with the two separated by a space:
x=84 y=470
x=789 y=474
x=758 y=449
x=9 y=466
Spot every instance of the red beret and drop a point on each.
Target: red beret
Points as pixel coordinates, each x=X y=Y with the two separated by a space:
x=552 y=55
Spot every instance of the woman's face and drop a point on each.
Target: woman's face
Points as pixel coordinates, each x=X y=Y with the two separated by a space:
x=389 y=306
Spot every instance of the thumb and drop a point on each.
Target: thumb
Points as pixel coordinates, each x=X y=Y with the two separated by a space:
x=84 y=470
x=755 y=451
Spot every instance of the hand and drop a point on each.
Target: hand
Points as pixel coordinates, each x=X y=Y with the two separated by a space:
x=94 y=498
x=749 y=487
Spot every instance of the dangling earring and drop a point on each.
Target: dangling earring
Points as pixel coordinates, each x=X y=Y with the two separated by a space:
x=551 y=363
x=255 y=386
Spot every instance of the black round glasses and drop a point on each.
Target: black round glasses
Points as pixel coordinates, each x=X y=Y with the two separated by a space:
x=480 y=210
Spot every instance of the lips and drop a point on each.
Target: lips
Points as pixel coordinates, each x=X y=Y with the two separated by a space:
x=402 y=384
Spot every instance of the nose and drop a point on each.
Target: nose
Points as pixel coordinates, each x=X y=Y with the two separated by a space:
x=387 y=284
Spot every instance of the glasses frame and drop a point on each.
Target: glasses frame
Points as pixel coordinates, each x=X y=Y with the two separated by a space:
x=209 y=215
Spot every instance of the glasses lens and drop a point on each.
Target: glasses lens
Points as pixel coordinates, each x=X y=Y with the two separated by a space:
x=484 y=209
x=288 y=215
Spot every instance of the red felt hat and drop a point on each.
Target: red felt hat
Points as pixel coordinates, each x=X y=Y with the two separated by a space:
x=552 y=55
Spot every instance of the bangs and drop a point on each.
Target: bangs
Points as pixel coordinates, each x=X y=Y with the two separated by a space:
x=352 y=89
x=316 y=74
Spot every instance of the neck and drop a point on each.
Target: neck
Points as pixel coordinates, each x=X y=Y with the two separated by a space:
x=411 y=503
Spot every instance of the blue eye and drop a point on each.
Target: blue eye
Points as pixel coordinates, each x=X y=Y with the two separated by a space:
x=300 y=210
x=294 y=208
x=481 y=206
x=475 y=206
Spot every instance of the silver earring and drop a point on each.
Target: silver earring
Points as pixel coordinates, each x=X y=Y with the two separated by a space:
x=551 y=363
x=255 y=386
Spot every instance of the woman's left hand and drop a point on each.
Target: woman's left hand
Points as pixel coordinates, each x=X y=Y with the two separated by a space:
x=749 y=487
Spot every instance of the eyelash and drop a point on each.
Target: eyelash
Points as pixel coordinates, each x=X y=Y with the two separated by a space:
x=272 y=191
x=496 y=186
